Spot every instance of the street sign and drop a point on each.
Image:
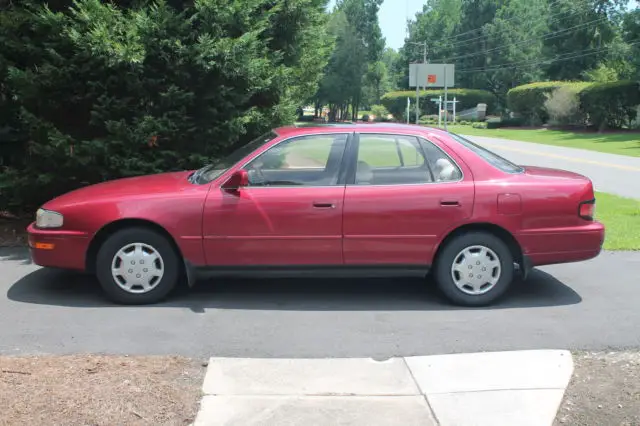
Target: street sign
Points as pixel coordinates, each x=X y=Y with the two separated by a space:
x=431 y=75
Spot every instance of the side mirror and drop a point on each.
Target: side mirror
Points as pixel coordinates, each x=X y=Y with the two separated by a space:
x=237 y=180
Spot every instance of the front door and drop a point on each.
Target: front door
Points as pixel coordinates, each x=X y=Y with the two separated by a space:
x=291 y=212
x=405 y=194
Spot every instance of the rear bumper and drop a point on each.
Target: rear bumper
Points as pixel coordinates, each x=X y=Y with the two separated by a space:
x=57 y=248
x=552 y=246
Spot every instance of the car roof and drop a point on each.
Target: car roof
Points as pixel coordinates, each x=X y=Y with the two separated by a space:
x=360 y=127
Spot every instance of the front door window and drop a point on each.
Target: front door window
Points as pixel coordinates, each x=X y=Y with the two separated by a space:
x=303 y=161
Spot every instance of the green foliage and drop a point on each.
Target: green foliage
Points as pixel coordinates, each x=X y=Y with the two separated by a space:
x=380 y=112
x=396 y=102
x=528 y=100
x=355 y=75
x=497 y=123
x=613 y=105
x=97 y=91
x=563 y=107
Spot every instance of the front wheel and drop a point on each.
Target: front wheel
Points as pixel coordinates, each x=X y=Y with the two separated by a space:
x=474 y=269
x=137 y=266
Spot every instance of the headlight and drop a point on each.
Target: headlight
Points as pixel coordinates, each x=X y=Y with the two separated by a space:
x=48 y=219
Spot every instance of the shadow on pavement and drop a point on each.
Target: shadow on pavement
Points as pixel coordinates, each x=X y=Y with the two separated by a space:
x=62 y=288
x=20 y=254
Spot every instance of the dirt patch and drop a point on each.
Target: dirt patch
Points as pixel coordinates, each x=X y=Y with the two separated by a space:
x=99 y=390
x=604 y=390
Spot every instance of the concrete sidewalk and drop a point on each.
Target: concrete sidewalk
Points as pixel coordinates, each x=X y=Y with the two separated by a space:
x=494 y=388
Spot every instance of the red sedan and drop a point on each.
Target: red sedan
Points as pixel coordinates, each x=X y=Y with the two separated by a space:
x=375 y=199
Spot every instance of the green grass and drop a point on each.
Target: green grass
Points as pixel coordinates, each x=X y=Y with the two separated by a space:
x=611 y=143
x=621 y=216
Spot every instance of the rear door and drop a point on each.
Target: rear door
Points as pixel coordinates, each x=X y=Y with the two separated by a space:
x=403 y=194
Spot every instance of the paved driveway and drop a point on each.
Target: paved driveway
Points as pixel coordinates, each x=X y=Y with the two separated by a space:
x=616 y=174
x=590 y=305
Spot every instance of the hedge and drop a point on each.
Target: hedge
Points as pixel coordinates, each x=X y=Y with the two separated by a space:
x=612 y=105
x=528 y=100
x=396 y=102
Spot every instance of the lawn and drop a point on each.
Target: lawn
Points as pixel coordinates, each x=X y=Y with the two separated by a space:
x=613 y=143
x=621 y=217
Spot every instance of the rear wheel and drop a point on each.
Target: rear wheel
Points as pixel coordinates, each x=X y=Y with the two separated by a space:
x=474 y=269
x=137 y=266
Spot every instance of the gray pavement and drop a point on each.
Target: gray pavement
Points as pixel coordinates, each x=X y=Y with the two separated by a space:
x=616 y=174
x=589 y=305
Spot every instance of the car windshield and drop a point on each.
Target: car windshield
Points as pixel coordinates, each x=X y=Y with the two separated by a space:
x=494 y=159
x=215 y=169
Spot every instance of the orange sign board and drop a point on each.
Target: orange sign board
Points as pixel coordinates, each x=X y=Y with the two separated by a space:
x=431 y=78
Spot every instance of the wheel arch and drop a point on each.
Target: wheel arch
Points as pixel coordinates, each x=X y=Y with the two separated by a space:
x=111 y=228
x=497 y=230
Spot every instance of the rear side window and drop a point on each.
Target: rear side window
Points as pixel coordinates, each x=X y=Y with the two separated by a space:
x=385 y=159
x=444 y=169
x=494 y=159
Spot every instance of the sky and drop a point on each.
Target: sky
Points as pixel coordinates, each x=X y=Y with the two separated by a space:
x=393 y=18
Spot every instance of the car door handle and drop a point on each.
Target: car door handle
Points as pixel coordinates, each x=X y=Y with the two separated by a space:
x=450 y=203
x=319 y=205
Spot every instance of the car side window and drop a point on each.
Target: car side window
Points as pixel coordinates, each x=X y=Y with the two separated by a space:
x=444 y=169
x=312 y=160
x=390 y=160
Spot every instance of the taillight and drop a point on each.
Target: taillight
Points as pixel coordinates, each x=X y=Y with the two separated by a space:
x=587 y=209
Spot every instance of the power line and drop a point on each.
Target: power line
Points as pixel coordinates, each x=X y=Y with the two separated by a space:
x=529 y=63
x=554 y=18
x=553 y=3
x=547 y=36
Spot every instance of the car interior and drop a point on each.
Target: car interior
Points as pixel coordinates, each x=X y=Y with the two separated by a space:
x=297 y=165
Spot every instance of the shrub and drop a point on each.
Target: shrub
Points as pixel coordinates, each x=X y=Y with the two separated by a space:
x=396 y=102
x=528 y=100
x=496 y=123
x=102 y=91
x=366 y=117
x=380 y=112
x=563 y=106
x=305 y=118
x=612 y=105
x=479 y=125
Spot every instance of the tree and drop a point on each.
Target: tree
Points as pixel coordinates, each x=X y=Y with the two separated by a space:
x=581 y=32
x=631 y=35
x=358 y=45
x=513 y=47
x=102 y=91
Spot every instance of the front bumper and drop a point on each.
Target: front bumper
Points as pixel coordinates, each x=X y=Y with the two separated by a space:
x=58 y=248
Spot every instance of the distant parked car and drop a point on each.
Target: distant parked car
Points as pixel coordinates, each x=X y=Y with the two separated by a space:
x=378 y=198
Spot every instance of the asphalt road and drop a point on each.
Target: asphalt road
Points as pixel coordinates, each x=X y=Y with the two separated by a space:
x=590 y=305
x=616 y=174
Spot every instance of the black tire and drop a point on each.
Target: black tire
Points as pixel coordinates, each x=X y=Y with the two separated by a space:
x=443 y=275
x=170 y=259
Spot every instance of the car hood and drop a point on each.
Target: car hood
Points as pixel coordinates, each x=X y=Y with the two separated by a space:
x=140 y=186
x=544 y=172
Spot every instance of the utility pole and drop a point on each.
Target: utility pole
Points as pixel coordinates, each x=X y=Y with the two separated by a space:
x=424 y=61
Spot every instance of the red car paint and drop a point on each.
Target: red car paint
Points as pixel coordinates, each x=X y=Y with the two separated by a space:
x=332 y=225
